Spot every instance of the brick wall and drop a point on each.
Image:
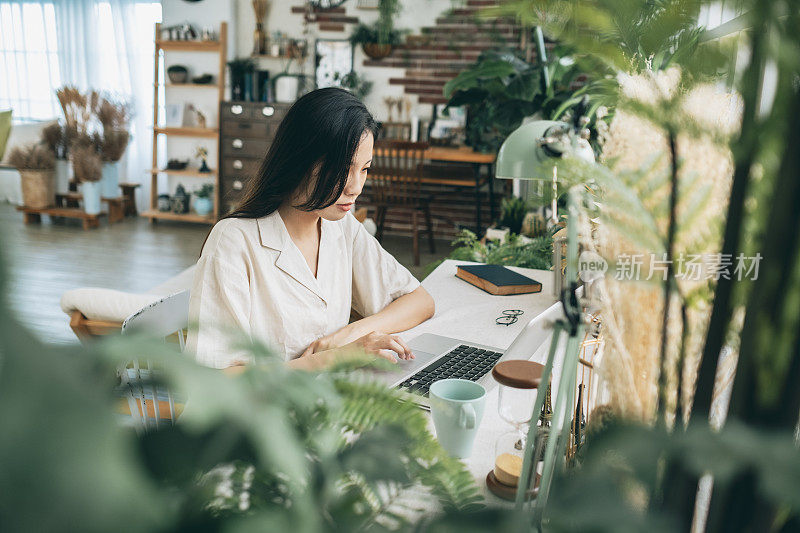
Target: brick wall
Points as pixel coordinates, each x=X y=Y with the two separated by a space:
x=439 y=52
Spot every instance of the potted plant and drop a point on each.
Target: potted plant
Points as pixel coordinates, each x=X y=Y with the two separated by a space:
x=513 y=211
x=354 y=83
x=114 y=117
x=87 y=165
x=54 y=136
x=287 y=86
x=36 y=166
x=377 y=39
x=204 y=204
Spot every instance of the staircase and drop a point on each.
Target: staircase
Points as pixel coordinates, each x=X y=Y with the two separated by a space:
x=440 y=52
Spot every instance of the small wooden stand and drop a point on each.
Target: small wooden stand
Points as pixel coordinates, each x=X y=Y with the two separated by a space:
x=116 y=206
x=33 y=215
x=129 y=193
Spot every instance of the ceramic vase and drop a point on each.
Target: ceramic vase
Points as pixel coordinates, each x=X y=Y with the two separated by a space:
x=91 y=196
x=203 y=206
x=110 y=180
x=63 y=175
x=286 y=89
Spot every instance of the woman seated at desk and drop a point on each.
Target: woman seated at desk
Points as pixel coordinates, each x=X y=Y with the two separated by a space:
x=287 y=265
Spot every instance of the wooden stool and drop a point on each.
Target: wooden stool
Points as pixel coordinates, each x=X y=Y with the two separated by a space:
x=116 y=208
x=129 y=193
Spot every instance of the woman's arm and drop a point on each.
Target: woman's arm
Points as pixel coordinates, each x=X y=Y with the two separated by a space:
x=401 y=314
x=377 y=344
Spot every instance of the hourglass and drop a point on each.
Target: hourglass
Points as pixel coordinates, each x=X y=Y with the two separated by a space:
x=518 y=381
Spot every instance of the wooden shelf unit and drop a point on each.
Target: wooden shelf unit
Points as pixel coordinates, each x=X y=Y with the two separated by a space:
x=187 y=217
x=193 y=85
x=193 y=46
x=187 y=132
x=219 y=48
x=187 y=172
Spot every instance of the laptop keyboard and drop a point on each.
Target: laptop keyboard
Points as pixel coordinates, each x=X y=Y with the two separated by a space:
x=464 y=362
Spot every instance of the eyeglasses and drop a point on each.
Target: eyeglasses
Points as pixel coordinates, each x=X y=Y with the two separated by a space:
x=508 y=317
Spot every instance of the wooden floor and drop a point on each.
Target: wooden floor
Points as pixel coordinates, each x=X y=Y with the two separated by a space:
x=46 y=260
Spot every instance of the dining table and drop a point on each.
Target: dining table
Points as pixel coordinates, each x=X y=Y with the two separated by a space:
x=478 y=160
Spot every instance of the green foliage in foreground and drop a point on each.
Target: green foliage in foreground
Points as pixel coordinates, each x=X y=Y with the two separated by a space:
x=270 y=448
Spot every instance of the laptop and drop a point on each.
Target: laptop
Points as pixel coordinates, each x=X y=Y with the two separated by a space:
x=438 y=357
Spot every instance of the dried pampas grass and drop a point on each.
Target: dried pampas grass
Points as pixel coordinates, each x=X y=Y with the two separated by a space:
x=104 y=118
x=32 y=157
x=633 y=311
x=113 y=144
x=86 y=162
x=54 y=137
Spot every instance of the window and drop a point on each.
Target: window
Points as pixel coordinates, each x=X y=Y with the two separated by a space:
x=29 y=66
x=44 y=45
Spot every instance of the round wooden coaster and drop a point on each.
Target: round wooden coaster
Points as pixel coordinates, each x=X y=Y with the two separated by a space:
x=504 y=491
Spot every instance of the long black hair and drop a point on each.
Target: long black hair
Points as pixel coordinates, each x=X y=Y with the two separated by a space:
x=318 y=137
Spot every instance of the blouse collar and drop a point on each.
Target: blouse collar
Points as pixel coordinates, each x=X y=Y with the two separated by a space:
x=273 y=234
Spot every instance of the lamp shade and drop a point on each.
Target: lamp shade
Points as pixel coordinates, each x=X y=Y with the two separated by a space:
x=520 y=156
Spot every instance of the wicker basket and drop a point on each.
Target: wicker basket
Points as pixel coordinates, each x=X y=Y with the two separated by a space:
x=376 y=51
x=38 y=188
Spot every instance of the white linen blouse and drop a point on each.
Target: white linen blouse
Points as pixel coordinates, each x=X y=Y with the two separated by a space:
x=253 y=279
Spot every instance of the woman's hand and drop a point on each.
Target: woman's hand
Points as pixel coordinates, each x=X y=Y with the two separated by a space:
x=383 y=345
x=340 y=338
x=379 y=344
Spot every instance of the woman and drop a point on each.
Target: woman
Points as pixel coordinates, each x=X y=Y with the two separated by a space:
x=289 y=263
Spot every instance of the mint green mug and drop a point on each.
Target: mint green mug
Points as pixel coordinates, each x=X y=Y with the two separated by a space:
x=457 y=408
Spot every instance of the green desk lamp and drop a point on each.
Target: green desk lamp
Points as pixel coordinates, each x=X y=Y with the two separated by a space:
x=531 y=153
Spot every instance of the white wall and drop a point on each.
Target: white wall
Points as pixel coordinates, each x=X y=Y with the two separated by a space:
x=241 y=23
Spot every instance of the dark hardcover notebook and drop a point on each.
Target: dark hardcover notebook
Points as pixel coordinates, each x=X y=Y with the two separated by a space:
x=497 y=279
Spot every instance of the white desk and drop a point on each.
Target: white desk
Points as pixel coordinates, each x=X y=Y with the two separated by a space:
x=466 y=312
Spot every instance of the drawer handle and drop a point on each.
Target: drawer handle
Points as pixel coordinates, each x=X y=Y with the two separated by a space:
x=238 y=185
x=237 y=143
x=245 y=126
x=238 y=165
x=237 y=109
x=268 y=111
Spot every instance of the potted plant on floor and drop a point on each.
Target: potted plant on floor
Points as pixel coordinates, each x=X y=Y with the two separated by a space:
x=114 y=117
x=87 y=166
x=377 y=40
x=54 y=136
x=204 y=204
x=36 y=165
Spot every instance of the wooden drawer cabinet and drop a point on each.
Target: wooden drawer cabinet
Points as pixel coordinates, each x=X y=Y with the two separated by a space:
x=240 y=166
x=246 y=133
x=245 y=147
x=246 y=128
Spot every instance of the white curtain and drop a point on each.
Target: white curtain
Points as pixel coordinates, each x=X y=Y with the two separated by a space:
x=99 y=44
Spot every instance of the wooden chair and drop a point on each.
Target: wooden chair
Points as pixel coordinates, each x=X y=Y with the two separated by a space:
x=395 y=131
x=149 y=404
x=395 y=178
